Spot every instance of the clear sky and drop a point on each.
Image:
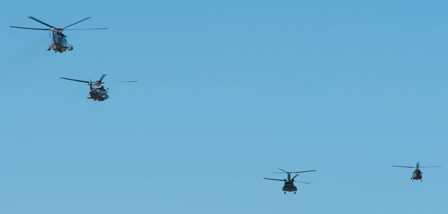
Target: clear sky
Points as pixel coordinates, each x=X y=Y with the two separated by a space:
x=228 y=92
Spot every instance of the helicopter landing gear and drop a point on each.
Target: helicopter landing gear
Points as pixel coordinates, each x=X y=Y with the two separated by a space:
x=48 y=48
x=70 y=47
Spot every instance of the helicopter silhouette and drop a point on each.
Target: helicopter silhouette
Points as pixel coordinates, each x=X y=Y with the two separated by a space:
x=289 y=182
x=97 y=91
x=417 y=174
x=58 y=39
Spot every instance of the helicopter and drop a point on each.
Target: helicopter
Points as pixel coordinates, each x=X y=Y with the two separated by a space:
x=417 y=174
x=58 y=39
x=289 y=182
x=97 y=91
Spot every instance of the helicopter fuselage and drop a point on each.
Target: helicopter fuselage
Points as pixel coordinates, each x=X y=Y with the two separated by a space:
x=417 y=175
x=289 y=187
x=98 y=93
x=59 y=43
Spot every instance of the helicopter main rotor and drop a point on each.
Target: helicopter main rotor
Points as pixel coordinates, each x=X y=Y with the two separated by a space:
x=284 y=171
x=417 y=166
x=289 y=176
x=55 y=29
x=98 y=82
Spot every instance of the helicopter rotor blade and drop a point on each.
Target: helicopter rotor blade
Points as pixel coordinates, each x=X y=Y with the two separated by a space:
x=295 y=176
x=29 y=28
x=283 y=170
x=430 y=166
x=273 y=179
x=75 y=80
x=89 y=29
x=37 y=20
x=76 y=22
x=404 y=166
x=102 y=77
x=305 y=171
x=119 y=82
x=303 y=182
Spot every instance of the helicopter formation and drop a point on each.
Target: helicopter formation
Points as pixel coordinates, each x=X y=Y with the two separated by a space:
x=290 y=187
x=97 y=92
x=59 y=44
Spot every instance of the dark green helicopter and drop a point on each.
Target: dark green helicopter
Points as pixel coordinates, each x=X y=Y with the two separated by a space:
x=417 y=174
x=97 y=91
x=289 y=182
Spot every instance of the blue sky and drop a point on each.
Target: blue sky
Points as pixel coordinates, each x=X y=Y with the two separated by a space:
x=228 y=92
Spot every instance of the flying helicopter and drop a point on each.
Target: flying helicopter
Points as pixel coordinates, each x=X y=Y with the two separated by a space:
x=289 y=182
x=417 y=174
x=97 y=91
x=58 y=39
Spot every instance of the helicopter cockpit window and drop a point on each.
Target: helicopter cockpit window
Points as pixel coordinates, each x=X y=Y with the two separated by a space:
x=59 y=38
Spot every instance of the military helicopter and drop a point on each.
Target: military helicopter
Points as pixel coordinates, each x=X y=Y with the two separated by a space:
x=58 y=41
x=289 y=182
x=97 y=91
x=417 y=174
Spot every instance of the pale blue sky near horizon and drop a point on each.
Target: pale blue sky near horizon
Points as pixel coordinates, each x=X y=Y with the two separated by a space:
x=228 y=92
